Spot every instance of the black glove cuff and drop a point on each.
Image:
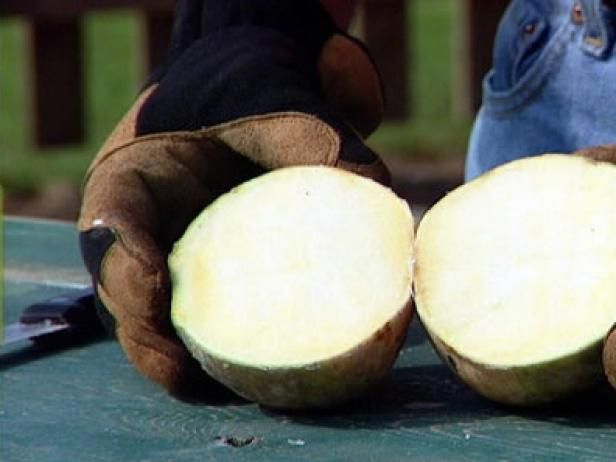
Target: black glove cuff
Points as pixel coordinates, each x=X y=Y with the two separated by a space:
x=246 y=58
x=239 y=73
x=305 y=21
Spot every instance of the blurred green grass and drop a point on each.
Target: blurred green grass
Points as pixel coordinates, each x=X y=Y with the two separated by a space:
x=111 y=75
x=431 y=132
x=112 y=64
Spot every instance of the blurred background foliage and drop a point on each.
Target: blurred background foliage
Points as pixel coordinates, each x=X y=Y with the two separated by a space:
x=112 y=66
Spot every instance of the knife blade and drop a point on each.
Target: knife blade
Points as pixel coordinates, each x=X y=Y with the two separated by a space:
x=58 y=321
x=18 y=331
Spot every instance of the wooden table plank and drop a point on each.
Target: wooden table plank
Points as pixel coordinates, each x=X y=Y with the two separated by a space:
x=88 y=403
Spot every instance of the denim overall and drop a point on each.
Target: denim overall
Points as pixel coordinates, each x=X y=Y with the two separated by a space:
x=553 y=84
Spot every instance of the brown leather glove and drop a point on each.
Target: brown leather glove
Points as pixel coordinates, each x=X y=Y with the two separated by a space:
x=251 y=85
x=605 y=153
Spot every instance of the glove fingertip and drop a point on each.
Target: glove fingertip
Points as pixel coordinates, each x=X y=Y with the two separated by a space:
x=605 y=153
x=172 y=367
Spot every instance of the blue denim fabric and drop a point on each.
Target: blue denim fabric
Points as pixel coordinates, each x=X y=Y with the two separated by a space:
x=553 y=84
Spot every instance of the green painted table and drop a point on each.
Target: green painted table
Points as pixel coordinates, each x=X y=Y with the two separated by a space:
x=88 y=404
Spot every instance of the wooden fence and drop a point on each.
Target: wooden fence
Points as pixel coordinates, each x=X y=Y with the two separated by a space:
x=56 y=54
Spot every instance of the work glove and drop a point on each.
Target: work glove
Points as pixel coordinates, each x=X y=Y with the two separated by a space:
x=249 y=86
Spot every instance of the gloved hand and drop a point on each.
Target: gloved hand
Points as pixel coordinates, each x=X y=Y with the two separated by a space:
x=604 y=153
x=250 y=85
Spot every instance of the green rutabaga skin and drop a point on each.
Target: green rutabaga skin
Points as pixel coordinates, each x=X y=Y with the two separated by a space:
x=319 y=385
x=527 y=385
x=609 y=356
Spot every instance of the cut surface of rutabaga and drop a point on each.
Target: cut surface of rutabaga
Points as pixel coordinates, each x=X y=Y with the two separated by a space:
x=294 y=288
x=515 y=277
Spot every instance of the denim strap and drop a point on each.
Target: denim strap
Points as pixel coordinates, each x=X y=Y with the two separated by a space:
x=598 y=30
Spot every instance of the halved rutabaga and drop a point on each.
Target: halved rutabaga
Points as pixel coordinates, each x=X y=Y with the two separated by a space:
x=294 y=289
x=609 y=356
x=515 y=277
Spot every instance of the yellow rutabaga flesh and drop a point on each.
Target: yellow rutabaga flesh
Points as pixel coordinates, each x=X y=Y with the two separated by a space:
x=290 y=270
x=516 y=271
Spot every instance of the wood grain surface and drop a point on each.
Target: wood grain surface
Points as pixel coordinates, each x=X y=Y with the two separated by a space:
x=88 y=404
